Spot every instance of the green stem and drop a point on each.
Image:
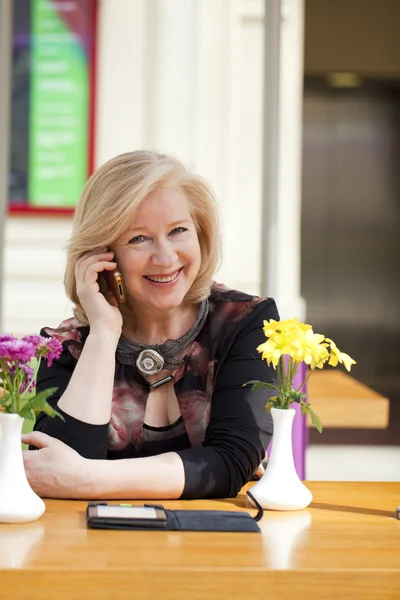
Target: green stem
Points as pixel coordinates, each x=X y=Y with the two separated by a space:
x=15 y=391
x=285 y=383
x=286 y=367
x=280 y=379
x=285 y=373
x=33 y=378
x=5 y=375
x=311 y=371
x=6 y=380
x=278 y=375
x=296 y=365
x=18 y=380
x=292 y=371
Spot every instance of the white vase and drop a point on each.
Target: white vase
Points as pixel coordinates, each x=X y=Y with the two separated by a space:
x=18 y=502
x=280 y=487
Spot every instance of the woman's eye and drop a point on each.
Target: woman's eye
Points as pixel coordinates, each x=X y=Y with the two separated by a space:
x=178 y=230
x=137 y=239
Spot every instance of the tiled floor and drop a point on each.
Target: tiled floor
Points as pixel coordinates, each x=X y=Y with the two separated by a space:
x=353 y=463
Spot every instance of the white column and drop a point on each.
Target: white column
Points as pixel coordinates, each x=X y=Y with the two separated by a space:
x=282 y=266
x=122 y=72
x=172 y=76
x=147 y=77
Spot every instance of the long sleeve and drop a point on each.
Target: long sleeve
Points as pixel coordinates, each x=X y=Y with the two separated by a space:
x=240 y=428
x=91 y=441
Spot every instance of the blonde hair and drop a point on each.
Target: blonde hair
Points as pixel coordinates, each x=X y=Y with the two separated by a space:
x=111 y=197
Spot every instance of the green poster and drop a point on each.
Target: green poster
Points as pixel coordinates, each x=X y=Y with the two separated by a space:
x=59 y=102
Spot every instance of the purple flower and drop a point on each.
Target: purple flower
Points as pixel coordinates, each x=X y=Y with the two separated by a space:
x=49 y=348
x=33 y=339
x=28 y=381
x=6 y=337
x=27 y=375
x=16 y=350
x=18 y=376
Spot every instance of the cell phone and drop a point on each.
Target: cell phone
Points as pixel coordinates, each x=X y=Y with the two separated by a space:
x=115 y=284
x=124 y=516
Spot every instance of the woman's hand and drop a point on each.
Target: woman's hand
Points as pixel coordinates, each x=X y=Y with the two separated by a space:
x=103 y=313
x=55 y=470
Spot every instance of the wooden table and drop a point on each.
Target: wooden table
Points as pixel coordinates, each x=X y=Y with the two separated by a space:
x=345 y=545
x=342 y=401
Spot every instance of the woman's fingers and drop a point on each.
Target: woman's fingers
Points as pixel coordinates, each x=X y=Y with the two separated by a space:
x=91 y=273
x=37 y=439
x=89 y=259
x=92 y=263
x=99 y=309
x=94 y=255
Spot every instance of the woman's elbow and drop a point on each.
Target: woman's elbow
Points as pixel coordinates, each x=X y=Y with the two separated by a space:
x=241 y=469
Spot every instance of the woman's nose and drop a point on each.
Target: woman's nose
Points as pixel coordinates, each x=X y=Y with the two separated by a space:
x=164 y=254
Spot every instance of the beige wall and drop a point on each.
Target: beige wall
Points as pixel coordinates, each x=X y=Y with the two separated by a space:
x=34 y=260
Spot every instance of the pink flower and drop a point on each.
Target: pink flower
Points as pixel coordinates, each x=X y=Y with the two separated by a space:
x=68 y=331
x=18 y=376
x=27 y=375
x=16 y=350
x=33 y=339
x=50 y=349
x=28 y=381
x=6 y=337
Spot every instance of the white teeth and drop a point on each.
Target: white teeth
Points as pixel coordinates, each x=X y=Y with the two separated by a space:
x=163 y=279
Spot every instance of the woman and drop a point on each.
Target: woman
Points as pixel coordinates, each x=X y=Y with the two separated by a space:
x=155 y=381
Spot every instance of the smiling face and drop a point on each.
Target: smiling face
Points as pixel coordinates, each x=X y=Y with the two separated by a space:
x=159 y=256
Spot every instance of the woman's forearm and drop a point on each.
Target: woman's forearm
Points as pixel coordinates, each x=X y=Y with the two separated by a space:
x=160 y=476
x=88 y=396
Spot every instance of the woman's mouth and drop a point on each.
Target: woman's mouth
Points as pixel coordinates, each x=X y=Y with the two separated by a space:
x=164 y=279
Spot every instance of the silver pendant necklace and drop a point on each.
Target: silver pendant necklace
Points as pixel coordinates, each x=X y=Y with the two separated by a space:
x=150 y=359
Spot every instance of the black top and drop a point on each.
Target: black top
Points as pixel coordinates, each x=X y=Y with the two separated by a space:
x=224 y=429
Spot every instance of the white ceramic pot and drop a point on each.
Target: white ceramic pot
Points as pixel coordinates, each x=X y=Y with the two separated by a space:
x=280 y=487
x=18 y=502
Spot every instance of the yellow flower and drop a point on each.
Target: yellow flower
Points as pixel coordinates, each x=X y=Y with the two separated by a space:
x=269 y=352
x=298 y=342
x=272 y=326
x=281 y=337
x=339 y=357
x=311 y=349
x=272 y=350
x=294 y=339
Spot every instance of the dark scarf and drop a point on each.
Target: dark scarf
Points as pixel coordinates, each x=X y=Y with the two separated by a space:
x=149 y=359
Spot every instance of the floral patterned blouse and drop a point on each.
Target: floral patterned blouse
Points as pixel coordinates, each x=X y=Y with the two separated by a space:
x=223 y=430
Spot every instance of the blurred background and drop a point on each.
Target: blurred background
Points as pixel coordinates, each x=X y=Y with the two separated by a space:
x=291 y=109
